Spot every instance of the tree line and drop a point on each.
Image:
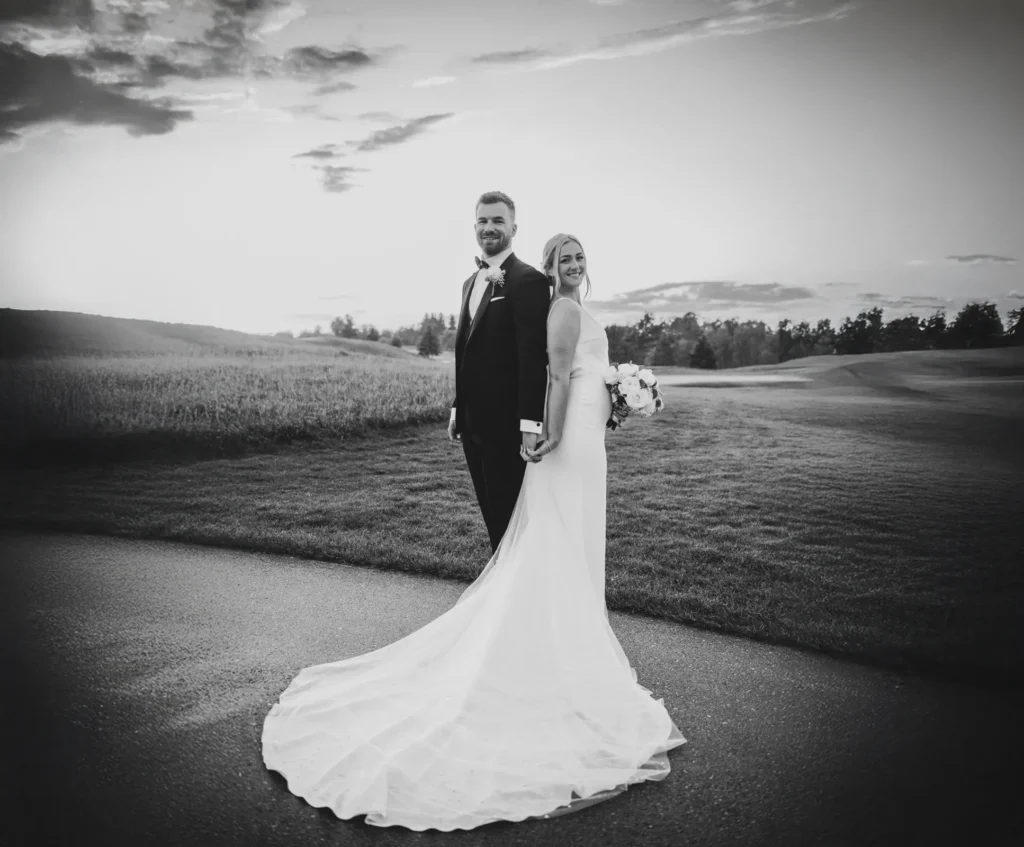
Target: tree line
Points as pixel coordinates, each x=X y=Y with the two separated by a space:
x=689 y=342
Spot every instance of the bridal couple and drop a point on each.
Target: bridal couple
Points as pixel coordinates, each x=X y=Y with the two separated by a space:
x=518 y=702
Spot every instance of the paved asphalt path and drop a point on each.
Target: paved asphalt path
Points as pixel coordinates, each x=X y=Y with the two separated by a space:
x=137 y=674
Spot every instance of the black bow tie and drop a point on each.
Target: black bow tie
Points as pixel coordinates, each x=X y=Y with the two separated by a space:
x=480 y=263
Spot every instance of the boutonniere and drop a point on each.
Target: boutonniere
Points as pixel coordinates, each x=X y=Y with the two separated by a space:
x=496 y=276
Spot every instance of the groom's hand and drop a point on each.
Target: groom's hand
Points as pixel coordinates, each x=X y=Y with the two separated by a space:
x=453 y=436
x=545 y=447
x=529 y=445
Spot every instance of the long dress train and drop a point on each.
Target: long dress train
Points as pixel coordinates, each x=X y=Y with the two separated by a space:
x=517 y=702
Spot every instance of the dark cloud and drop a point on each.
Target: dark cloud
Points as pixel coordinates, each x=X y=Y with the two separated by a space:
x=105 y=56
x=318 y=62
x=982 y=259
x=324 y=151
x=509 y=57
x=155 y=70
x=400 y=132
x=80 y=12
x=36 y=89
x=104 y=64
x=681 y=297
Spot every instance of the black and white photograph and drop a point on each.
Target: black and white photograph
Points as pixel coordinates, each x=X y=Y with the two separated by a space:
x=592 y=423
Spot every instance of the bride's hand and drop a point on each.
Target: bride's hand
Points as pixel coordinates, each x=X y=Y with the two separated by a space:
x=542 y=450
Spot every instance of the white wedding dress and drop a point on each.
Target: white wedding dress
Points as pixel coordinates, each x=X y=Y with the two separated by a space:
x=517 y=702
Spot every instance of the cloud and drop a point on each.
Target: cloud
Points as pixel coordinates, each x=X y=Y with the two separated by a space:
x=750 y=5
x=904 y=302
x=1015 y=294
x=97 y=61
x=316 y=62
x=982 y=259
x=433 y=80
x=400 y=132
x=324 y=151
x=385 y=117
x=509 y=57
x=681 y=297
x=39 y=89
x=337 y=178
x=278 y=18
x=740 y=17
x=334 y=87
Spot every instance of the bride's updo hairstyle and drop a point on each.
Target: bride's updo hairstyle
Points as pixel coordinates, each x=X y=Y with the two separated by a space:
x=552 y=250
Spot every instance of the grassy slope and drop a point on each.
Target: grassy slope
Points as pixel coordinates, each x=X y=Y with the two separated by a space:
x=84 y=385
x=875 y=515
x=28 y=333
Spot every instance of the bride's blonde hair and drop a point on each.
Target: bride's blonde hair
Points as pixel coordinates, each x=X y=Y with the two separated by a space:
x=552 y=250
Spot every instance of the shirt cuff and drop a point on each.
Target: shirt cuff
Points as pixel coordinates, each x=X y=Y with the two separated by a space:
x=453 y=415
x=530 y=426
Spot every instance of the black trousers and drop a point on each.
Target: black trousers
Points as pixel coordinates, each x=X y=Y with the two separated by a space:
x=497 y=470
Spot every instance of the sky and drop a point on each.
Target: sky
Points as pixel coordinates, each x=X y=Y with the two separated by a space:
x=270 y=164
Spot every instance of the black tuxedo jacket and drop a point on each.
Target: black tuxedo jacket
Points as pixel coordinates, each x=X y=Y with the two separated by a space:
x=501 y=355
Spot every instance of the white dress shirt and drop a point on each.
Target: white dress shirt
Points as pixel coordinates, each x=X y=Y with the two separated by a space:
x=475 y=296
x=479 y=284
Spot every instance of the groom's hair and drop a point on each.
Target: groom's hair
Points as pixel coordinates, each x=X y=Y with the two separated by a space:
x=496 y=197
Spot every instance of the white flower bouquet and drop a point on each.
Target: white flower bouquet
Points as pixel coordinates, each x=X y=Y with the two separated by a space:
x=633 y=389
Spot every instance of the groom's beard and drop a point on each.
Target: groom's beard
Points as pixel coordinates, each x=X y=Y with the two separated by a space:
x=498 y=246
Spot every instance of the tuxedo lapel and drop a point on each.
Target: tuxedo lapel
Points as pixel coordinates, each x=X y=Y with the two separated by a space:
x=464 y=316
x=467 y=289
x=486 y=298
x=488 y=291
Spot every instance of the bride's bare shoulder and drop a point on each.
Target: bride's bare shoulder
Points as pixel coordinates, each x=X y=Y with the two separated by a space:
x=575 y=309
x=564 y=323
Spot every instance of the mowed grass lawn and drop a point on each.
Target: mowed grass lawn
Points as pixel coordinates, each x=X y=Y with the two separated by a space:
x=869 y=514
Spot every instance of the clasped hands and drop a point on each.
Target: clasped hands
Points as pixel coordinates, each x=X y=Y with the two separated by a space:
x=531 y=452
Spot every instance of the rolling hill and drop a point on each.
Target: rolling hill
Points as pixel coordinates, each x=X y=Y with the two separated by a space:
x=49 y=333
x=908 y=371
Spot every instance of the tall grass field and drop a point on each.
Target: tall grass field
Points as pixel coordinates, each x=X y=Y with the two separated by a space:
x=868 y=506
x=215 y=397
x=125 y=392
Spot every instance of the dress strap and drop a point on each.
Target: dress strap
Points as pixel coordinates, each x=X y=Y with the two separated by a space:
x=551 y=308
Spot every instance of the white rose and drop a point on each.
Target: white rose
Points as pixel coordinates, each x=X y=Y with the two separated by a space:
x=611 y=376
x=628 y=369
x=647 y=375
x=639 y=398
x=628 y=384
x=649 y=409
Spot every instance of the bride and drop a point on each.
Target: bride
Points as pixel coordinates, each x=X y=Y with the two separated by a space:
x=518 y=702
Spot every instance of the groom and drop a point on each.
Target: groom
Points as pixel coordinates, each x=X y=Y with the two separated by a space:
x=500 y=364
